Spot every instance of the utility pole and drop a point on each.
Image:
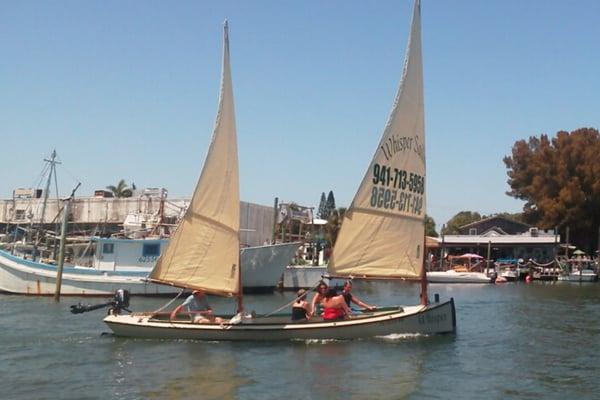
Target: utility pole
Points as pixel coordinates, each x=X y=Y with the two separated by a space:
x=598 y=246
x=63 y=240
x=567 y=248
x=442 y=248
x=275 y=214
x=489 y=255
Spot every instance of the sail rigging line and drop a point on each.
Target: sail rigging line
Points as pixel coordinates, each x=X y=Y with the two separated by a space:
x=78 y=260
x=169 y=303
x=41 y=176
x=291 y=302
x=178 y=285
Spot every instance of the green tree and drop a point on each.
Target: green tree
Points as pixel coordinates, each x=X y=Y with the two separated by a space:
x=329 y=205
x=460 y=219
x=121 y=190
x=322 y=203
x=559 y=181
x=334 y=223
x=518 y=217
x=430 y=226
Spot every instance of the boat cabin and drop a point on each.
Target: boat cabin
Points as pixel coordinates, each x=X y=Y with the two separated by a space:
x=127 y=254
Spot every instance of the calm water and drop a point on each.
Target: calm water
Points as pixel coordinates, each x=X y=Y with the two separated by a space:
x=514 y=341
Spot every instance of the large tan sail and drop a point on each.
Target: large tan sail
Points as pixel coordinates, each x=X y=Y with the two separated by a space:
x=203 y=253
x=382 y=233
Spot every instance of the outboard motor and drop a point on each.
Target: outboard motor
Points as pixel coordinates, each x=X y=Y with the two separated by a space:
x=122 y=298
x=119 y=302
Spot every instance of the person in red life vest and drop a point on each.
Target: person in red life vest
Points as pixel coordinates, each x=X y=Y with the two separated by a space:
x=350 y=298
x=334 y=306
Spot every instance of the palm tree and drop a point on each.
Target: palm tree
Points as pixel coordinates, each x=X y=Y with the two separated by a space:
x=121 y=190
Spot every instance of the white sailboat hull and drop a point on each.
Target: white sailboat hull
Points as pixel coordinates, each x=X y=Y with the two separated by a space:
x=432 y=319
x=21 y=276
x=584 y=276
x=452 y=276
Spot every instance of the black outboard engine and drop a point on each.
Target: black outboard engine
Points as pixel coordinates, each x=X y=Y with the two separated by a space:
x=122 y=298
x=119 y=302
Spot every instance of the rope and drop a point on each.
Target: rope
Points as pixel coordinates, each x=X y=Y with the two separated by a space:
x=169 y=303
x=291 y=302
x=544 y=265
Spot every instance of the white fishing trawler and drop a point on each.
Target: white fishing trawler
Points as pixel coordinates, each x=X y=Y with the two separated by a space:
x=382 y=235
x=125 y=264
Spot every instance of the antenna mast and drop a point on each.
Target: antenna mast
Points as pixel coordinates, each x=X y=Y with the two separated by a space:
x=52 y=161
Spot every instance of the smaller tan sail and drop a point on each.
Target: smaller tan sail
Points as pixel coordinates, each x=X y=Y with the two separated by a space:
x=382 y=234
x=203 y=253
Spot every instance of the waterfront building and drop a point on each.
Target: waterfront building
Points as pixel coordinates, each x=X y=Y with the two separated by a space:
x=507 y=240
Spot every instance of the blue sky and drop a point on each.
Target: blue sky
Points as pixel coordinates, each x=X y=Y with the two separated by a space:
x=129 y=89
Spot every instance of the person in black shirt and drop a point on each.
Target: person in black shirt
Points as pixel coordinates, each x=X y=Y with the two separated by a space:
x=349 y=298
x=300 y=308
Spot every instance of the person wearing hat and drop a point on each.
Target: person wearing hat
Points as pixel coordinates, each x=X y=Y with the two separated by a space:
x=198 y=309
x=300 y=308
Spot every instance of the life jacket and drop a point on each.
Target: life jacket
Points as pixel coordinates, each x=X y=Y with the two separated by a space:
x=330 y=313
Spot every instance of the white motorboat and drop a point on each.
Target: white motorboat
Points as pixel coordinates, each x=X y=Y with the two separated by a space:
x=579 y=270
x=452 y=276
x=461 y=270
x=579 y=276
x=510 y=273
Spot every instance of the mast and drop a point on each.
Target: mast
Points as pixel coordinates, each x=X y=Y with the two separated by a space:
x=240 y=295
x=423 y=297
x=52 y=161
